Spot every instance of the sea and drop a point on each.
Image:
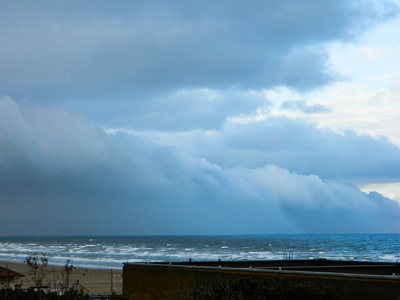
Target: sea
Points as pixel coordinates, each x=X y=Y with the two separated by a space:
x=111 y=252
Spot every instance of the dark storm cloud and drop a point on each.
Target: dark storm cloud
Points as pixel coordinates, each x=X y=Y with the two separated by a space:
x=128 y=50
x=60 y=175
x=187 y=109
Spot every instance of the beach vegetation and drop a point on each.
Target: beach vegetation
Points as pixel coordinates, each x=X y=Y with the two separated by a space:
x=34 y=294
x=37 y=268
x=66 y=275
x=63 y=287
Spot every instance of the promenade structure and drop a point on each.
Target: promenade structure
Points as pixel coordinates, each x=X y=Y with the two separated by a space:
x=9 y=278
x=347 y=279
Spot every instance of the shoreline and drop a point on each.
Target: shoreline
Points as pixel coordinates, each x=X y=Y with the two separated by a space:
x=95 y=280
x=50 y=264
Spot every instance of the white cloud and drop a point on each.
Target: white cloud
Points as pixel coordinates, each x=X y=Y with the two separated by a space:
x=389 y=190
x=373 y=54
x=366 y=99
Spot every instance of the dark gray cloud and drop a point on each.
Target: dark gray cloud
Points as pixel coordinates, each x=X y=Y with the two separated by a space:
x=96 y=51
x=203 y=109
x=141 y=64
x=301 y=147
x=60 y=175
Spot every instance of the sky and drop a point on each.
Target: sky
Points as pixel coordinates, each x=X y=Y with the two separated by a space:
x=199 y=117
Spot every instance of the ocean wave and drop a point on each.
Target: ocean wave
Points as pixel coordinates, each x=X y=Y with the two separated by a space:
x=112 y=252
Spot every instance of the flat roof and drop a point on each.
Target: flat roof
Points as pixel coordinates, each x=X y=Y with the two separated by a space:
x=318 y=266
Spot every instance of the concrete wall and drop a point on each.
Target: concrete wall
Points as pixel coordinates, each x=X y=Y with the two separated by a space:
x=158 y=282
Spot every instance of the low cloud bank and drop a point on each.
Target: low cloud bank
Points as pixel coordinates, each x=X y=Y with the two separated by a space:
x=61 y=175
x=300 y=147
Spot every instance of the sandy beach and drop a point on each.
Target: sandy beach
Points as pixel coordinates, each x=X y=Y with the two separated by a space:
x=96 y=281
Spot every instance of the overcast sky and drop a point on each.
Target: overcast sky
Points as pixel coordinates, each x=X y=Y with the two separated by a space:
x=199 y=117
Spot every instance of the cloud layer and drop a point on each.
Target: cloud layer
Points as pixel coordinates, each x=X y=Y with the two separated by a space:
x=55 y=168
x=164 y=118
x=99 y=57
x=300 y=147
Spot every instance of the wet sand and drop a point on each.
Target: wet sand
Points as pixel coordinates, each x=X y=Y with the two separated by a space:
x=96 y=281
